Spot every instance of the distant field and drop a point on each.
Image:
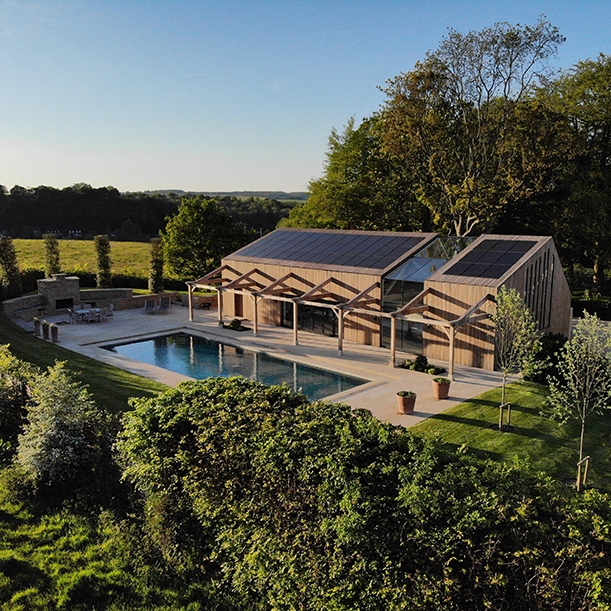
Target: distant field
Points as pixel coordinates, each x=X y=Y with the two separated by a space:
x=127 y=257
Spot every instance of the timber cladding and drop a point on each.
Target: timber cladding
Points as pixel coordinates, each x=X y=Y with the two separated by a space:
x=474 y=344
x=358 y=328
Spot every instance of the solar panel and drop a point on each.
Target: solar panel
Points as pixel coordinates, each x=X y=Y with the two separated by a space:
x=490 y=258
x=374 y=251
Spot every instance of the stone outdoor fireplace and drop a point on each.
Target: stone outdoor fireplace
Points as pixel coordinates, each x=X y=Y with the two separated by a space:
x=61 y=292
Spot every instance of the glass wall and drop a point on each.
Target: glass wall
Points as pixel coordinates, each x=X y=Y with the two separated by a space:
x=404 y=283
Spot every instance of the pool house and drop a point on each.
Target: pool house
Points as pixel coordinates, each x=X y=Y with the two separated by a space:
x=420 y=293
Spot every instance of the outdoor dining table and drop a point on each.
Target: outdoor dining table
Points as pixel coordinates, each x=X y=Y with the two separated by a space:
x=84 y=313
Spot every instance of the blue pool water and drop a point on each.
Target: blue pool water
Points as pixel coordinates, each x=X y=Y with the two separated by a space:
x=200 y=358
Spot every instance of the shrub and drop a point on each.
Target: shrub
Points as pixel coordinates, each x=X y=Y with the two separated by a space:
x=60 y=445
x=52 y=265
x=421 y=363
x=103 y=261
x=546 y=358
x=155 y=284
x=15 y=375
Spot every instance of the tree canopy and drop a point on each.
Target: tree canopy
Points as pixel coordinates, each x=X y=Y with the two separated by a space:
x=286 y=504
x=447 y=119
x=199 y=236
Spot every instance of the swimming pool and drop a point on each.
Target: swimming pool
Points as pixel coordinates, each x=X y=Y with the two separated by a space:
x=199 y=357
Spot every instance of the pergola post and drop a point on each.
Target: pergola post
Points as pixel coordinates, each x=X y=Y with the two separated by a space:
x=452 y=336
x=190 y=302
x=220 y=299
x=393 y=340
x=295 y=325
x=340 y=331
x=255 y=329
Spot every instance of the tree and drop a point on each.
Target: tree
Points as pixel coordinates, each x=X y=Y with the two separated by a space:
x=582 y=386
x=156 y=266
x=516 y=337
x=446 y=120
x=103 y=261
x=10 y=280
x=362 y=188
x=198 y=237
x=583 y=96
x=52 y=265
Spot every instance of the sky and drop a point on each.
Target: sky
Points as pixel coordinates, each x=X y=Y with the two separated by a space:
x=225 y=95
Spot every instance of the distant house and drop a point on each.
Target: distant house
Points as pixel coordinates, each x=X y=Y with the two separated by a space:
x=417 y=292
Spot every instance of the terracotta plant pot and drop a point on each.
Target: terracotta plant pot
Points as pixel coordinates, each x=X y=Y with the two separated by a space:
x=37 y=327
x=441 y=390
x=406 y=404
x=54 y=334
x=45 y=330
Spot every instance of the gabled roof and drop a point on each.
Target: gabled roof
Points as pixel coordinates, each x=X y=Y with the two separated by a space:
x=490 y=260
x=362 y=252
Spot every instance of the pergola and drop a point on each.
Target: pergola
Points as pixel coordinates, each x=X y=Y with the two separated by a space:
x=257 y=285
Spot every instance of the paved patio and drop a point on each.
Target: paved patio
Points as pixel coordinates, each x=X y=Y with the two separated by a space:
x=378 y=396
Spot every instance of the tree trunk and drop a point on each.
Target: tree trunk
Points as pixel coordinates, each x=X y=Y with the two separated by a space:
x=599 y=273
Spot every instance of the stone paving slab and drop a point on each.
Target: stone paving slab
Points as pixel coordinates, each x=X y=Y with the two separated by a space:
x=367 y=362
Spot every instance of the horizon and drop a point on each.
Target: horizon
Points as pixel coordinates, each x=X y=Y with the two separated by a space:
x=221 y=97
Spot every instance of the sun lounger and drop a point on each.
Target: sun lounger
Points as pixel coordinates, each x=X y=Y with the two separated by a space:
x=165 y=304
x=149 y=306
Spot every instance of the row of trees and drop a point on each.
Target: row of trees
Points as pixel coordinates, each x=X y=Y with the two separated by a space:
x=81 y=211
x=481 y=136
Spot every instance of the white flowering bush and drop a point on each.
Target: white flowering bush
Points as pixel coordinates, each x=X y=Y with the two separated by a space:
x=60 y=441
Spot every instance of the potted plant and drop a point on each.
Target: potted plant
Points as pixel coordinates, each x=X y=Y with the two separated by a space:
x=407 y=401
x=441 y=388
x=54 y=333
x=37 y=326
x=45 y=329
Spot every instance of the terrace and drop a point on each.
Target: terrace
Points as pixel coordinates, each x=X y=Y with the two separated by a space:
x=371 y=363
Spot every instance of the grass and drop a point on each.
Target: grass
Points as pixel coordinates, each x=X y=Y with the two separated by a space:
x=543 y=443
x=111 y=387
x=127 y=257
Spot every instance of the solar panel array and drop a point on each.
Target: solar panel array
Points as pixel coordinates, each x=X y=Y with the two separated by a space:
x=490 y=258
x=331 y=249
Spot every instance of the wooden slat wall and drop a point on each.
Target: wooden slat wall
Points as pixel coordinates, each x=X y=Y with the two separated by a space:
x=539 y=279
x=542 y=284
x=474 y=344
x=358 y=328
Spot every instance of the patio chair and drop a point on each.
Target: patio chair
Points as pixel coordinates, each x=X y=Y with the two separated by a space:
x=110 y=312
x=93 y=316
x=72 y=316
x=165 y=304
x=103 y=315
x=149 y=306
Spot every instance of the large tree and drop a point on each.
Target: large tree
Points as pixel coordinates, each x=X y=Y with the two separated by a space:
x=362 y=187
x=199 y=236
x=449 y=119
x=583 y=96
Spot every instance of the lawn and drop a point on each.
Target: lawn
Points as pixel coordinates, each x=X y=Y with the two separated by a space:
x=534 y=437
x=111 y=387
x=127 y=257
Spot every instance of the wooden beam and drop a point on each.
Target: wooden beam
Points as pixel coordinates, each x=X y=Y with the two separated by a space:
x=393 y=340
x=417 y=299
x=190 y=302
x=315 y=290
x=464 y=319
x=359 y=297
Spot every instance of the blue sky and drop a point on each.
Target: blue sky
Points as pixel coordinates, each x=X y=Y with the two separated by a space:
x=225 y=95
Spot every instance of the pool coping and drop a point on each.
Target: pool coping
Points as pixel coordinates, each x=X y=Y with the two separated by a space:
x=366 y=362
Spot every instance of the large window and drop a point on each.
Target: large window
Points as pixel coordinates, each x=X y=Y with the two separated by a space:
x=403 y=283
